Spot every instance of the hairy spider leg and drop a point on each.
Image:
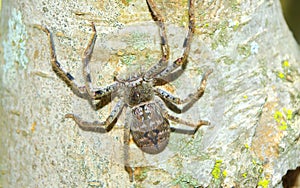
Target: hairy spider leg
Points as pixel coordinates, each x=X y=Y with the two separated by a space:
x=70 y=80
x=168 y=116
x=186 y=45
x=190 y=99
x=86 y=57
x=96 y=126
x=64 y=75
x=160 y=21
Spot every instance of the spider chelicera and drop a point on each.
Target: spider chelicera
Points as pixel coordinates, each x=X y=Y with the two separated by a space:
x=147 y=118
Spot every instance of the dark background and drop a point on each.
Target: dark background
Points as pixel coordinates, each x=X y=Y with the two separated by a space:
x=291 y=11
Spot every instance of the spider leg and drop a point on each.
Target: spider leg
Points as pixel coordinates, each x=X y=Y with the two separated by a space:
x=86 y=57
x=167 y=115
x=186 y=45
x=190 y=99
x=159 y=19
x=65 y=76
x=97 y=126
x=82 y=92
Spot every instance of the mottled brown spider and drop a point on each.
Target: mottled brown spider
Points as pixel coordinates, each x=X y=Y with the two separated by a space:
x=147 y=118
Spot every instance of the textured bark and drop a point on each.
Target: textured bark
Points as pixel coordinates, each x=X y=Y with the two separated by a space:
x=252 y=96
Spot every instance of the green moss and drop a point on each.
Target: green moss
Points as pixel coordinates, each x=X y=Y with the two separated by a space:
x=128 y=59
x=221 y=36
x=188 y=146
x=216 y=172
x=142 y=175
x=278 y=116
x=285 y=63
x=138 y=40
x=280 y=75
x=15 y=43
x=288 y=113
x=226 y=60
x=283 y=126
x=263 y=183
x=283 y=118
x=285 y=66
x=244 y=50
x=234 y=24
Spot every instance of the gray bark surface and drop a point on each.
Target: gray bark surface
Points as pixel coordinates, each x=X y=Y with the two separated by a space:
x=252 y=97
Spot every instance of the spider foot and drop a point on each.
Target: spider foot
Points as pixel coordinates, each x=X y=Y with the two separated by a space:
x=206 y=74
x=130 y=172
x=69 y=116
x=95 y=126
x=43 y=28
x=201 y=123
x=93 y=26
x=136 y=173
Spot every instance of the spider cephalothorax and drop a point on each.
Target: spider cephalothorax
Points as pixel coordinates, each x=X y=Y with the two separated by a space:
x=138 y=94
x=147 y=118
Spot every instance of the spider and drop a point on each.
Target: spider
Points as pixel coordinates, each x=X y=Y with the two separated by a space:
x=147 y=118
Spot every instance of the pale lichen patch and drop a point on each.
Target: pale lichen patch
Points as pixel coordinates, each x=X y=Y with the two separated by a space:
x=15 y=43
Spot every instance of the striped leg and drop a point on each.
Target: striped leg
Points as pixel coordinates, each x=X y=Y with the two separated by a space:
x=167 y=115
x=158 y=18
x=86 y=92
x=190 y=99
x=97 y=126
x=86 y=57
x=186 y=45
x=65 y=76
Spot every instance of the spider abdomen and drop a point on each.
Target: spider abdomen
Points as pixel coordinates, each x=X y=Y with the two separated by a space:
x=149 y=129
x=153 y=144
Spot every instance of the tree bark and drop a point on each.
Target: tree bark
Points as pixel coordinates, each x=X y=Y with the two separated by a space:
x=252 y=97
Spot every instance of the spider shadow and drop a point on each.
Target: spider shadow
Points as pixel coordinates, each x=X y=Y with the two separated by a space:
x=176 y=109
x=105 y=100
x=100 y=129
x=101 y=102
x=171 y=77
x=183 y=131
